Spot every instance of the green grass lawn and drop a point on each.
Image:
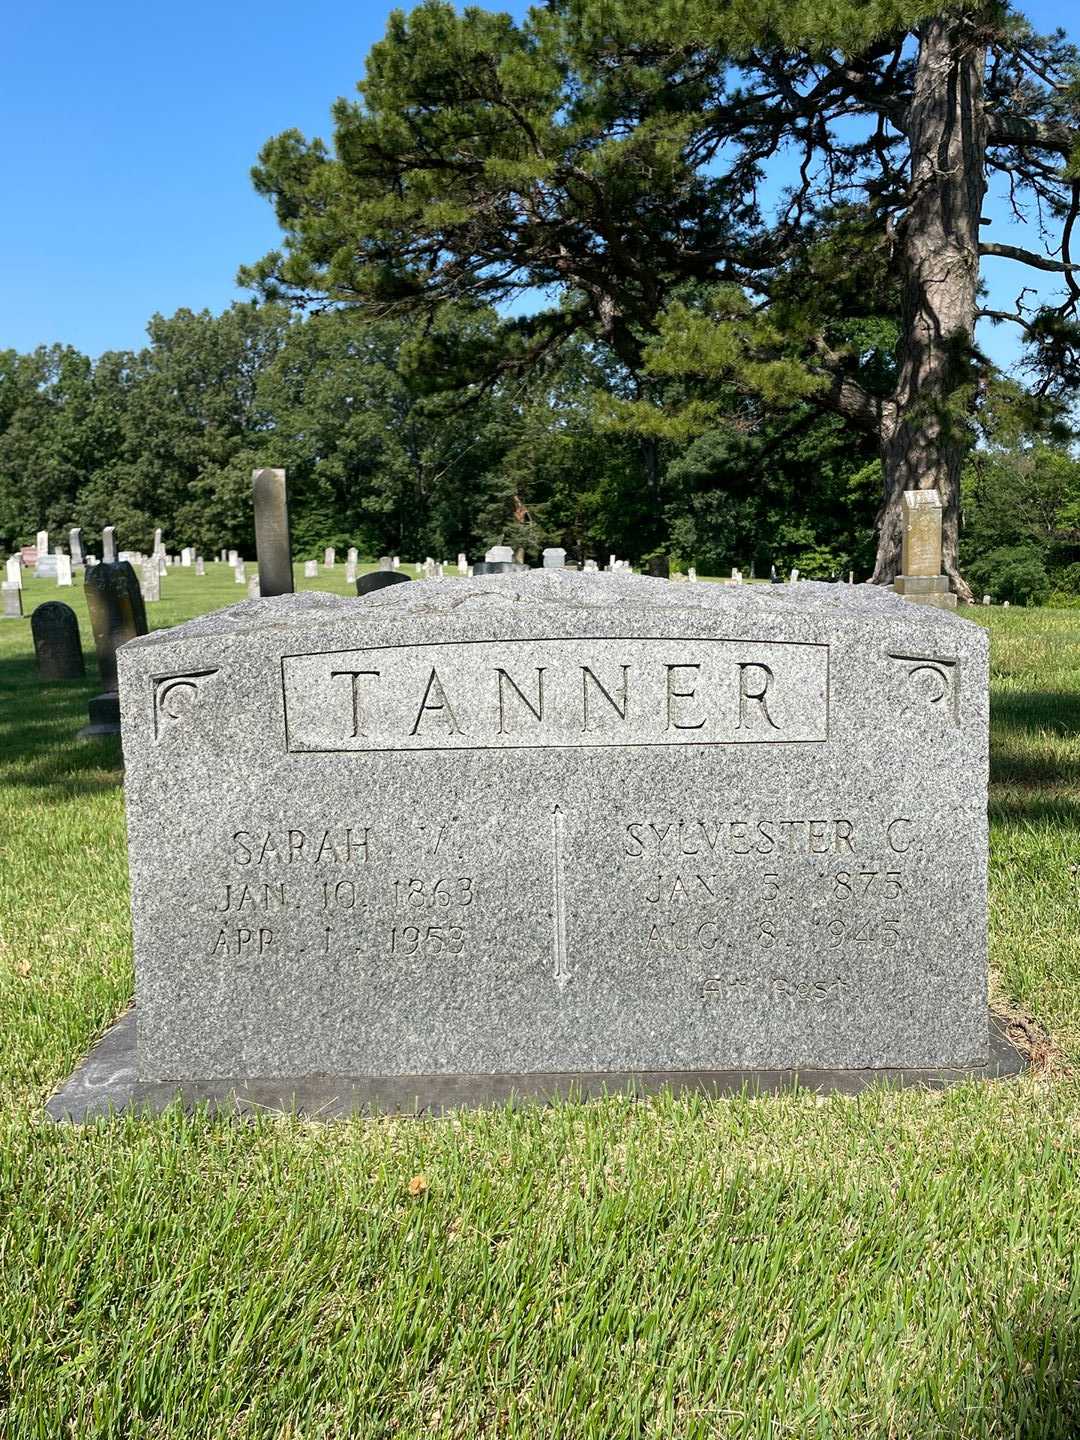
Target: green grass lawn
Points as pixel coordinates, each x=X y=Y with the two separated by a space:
x=902 y=1264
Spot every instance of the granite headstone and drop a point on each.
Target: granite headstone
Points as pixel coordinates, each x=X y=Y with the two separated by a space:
x=12 y=600
x=558 y=824
x=57 y=647
x=117 y=614
x=379 y=580
x=273 y=547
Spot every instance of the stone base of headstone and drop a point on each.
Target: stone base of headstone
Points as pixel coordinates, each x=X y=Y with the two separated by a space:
x=926 y=590
x=104 y=717
x=106 y=1083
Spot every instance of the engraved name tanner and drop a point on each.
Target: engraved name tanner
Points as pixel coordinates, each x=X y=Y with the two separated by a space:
x=504 y=694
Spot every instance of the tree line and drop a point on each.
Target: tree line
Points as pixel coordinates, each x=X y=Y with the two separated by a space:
x=703 y=371
x=393 y=444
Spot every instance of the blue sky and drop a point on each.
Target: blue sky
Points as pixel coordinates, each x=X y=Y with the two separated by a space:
x=130 y=127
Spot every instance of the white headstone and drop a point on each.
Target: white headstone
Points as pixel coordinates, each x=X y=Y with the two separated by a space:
x=42 y=543
x=462 y=564
x=253 y=587
x=498 y=553
x=14 y=571
x=986 y=599
x=691 y=574
x=350 y=572
x=240 y=573
x=63 y=569
x=200 y=565
x=159 y=548
x=554 y=558
x=793 y=577
x=150 y=580
x=328 y=557
x=12 y=600
x=311 y=569
x=187 y=555
x=352 y=556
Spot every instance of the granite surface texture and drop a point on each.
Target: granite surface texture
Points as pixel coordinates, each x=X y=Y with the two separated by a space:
x=557 y=823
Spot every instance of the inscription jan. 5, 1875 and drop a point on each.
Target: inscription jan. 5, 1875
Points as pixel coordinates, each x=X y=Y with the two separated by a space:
x=507 y=694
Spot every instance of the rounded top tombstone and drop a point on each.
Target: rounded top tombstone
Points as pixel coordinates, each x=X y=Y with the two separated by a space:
x=57 y=646
x=378 y=580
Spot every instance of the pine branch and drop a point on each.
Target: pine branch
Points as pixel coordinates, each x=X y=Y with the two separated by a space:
x=1039 y=134
x=1028 y=257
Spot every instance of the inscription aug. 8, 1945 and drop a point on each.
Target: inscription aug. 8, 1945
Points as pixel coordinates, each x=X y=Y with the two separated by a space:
x=566 y=692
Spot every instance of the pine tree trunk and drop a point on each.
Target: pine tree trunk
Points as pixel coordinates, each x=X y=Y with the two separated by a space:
x=925 y=433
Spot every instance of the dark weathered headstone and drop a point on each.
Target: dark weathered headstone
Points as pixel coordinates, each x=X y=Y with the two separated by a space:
x=272 y=545
x=55 y=631
x=494 y=567
x=117 y=614
x=659 y=567
x=378 y=580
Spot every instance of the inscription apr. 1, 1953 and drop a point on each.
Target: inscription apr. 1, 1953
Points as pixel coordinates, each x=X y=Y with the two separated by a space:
x=511 y=693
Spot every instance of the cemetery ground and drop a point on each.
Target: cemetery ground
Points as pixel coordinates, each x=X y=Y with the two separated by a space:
x=901 y=1264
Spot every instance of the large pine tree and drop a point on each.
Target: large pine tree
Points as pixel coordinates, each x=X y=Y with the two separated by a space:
x=611 y=153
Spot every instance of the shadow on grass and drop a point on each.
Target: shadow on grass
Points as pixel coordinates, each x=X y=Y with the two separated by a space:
x=38 y=725
x=1016 y=711
x=1028 y=1386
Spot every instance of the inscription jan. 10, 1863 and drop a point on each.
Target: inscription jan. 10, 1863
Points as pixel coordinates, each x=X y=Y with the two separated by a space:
x=507 y=694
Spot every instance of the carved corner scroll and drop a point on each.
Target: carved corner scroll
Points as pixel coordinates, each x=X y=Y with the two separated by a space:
x=176 y=697
x=930 y=686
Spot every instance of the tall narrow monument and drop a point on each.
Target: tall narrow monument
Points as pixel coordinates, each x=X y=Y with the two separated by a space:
x=921 y=578
x=272 y=544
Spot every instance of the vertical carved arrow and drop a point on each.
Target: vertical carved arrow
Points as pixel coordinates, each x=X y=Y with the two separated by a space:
x=560 y=970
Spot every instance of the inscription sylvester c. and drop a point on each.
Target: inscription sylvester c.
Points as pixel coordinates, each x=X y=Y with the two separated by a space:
x=558 y=692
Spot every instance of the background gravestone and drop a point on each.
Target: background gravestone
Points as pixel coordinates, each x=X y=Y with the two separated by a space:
x=117 y=614
x=273 y=547
x=12 y=600
x=378 y=580
x=558 y=825
x=77 y=553
x=57 y=647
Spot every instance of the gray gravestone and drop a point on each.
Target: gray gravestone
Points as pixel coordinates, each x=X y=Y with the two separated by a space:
x=378 y=580
x=13 y=571
x=46 y=568
x=77 y=553
x=554 y=824
x=57 y=647
x=200 y=566
x=150 y=581
x=554 y=558
x=273 y=548
x=328 y=557
x=12 y=601
x=240 y=573
x=117 y=614
x=63 y=570
x=311 y=569
x=500 y=554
